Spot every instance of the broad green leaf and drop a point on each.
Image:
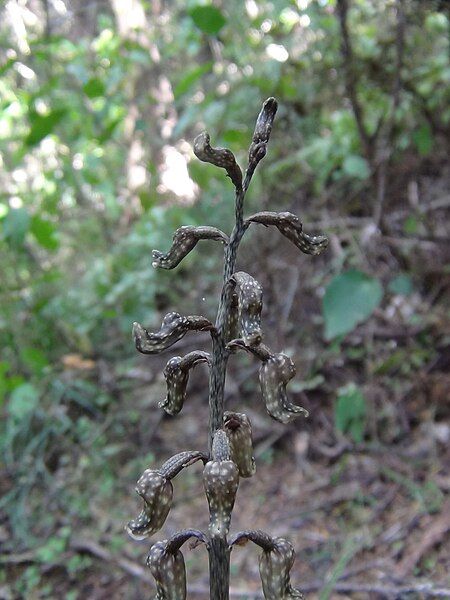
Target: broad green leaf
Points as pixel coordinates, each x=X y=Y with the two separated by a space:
x=208 y=18
x=23 y=401
x=350 y=298
x=16 y=225
x=350 y=412
x=190 y=78
x=45 y=232
x=94 y=88
x=356 y=166
x=401 y=284
x=423 y=139
x=43 y=125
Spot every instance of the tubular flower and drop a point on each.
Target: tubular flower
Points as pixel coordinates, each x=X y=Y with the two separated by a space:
x=173 y=328
x=275 y=567
x=263 y=128
x=155 y=488
x=231 y=325
x=291 y=227
x=184 y=240
x=221 y=480
x=239 y=432
x=220 y=157
x=176 y=373
x=166 y=563
x=274 y=374
x=249 y=299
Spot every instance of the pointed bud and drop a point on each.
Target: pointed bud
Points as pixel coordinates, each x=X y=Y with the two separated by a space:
x=184 y=240
x=249 y=298
x=274 y=374
x=261 y=135
x=221 y=480
x=220 y=157
x=176 y=373
x=274 y=567
x=291 y=227
x=239 y=432
x=173 y=328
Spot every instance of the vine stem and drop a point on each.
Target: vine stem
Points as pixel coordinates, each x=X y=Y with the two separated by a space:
x=219 y=553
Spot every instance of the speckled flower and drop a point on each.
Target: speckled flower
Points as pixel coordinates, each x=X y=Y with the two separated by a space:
x=155 y=488
x=173 y=328
x=176 y=373
x=239 y=432
x=274 y=374
x=220 y=157
x=221 y=480
x=184 y=240
x=291 y=227
x=275 y=567
x=263 y=128
x=249 y=299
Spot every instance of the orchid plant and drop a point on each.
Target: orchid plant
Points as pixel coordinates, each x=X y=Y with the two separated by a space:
x=230 y=452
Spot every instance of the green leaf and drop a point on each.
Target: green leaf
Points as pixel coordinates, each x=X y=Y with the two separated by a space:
x=350 y=412
x=94 y=88
x=208 y=18
x=401 y=284
x=16 y=225
x=423 y=139
x=190 y=78
x=34 y=358
x=43 y=125
x=45 y=233
x=356 y=166
x=23 y=401
x=350 y=298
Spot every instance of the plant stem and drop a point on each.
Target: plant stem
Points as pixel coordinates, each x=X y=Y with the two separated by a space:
x=219 y=554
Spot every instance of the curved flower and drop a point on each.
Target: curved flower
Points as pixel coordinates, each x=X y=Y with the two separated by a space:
x=239 y=432
x=166 y=562
x=220 y=157
x=274 y=374
x=184 y=240
x=176 y=373
x=221 y=480
x=291 y=227
x=263 y=128
x=275 y=567
x=249 y=300
x=173 y=328
x=155 y=488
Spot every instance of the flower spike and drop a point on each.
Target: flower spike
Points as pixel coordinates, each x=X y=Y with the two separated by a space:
x=274 y=374
x=239 y=432
x=221 y=480
x=291 y=227
x=249 y=299
x=155 y=488
x=173 y=328
x=184 y=240
x=176 y=373
x=220 y=157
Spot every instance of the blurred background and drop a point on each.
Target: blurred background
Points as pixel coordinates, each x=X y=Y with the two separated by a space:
x=100 y=101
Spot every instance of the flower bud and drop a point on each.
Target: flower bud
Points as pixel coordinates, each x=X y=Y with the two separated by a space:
x=173 y=328
x=291 y=227
x=261 y=135
x=176 y=373
x=220 y=157
x=275 y=567
x=274 y=374
x=184 y=240
x=249 y=298
x=239 y=432
x=221 y=480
